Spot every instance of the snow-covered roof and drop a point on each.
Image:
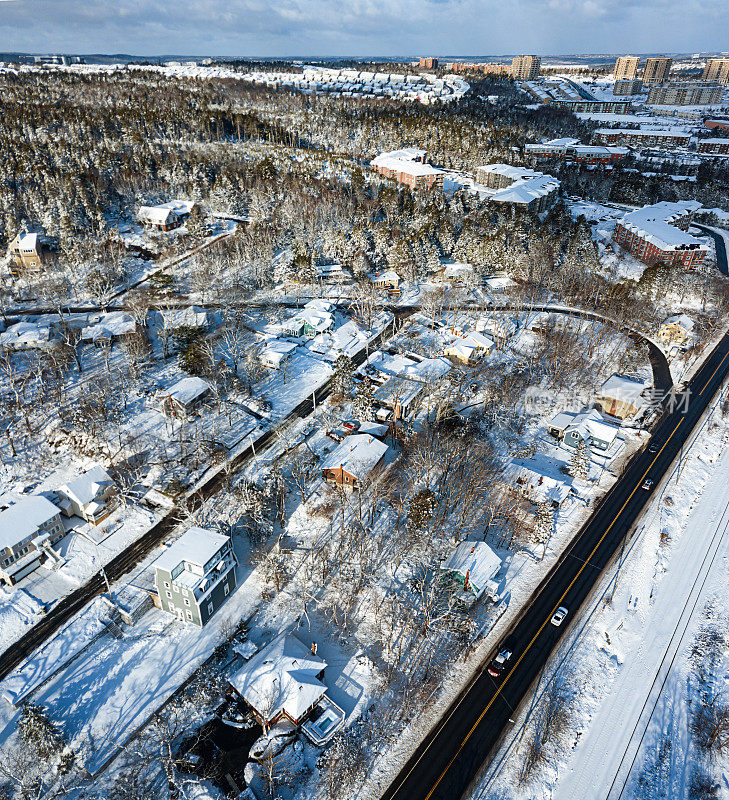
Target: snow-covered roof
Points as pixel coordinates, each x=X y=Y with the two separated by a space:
x=158 y=214
x=196 y=546
x=276 y=351
x=543 y=476
x=527 y=190
x=117 y=323
x=623 y=388
x=681 y=320
x=281 y=678
x=191 y=317
x=85 y=488
x=672 y=132
x=408 y=160
x=25 y=334
x=187 y=390
x=318 y=320
x=591 y=423
x=478 y=560
x=654 y=224
x=317 y=304
x=358 y=455
x=429 y=369
x=23 y=518
x=389 y=276
x=510 y=171
x=29 y=241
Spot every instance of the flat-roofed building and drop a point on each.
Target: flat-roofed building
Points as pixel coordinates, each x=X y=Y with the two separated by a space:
x=408 y=167
x=714 y=146
x=685 y=94
x=716 y=69
x=658 y=234
x=626 y=67
x=428 y=63
x=525 y=68
x=627 y=87
x=635 y=137
x=657 y=70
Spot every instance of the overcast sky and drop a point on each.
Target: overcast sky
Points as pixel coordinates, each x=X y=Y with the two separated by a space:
x=362 y=27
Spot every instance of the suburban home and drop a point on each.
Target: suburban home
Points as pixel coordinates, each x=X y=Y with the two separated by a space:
x=676 y=330
x=588 y=426
x=621 y=396
x=472 y=567
x=27 y=335
x=500 y=328
x=166 y=216
x=112 y=326
x=29 y=527
x=275 y=353
x=191 y=317
x=195 y=575
x=388 y=280
x=92 y=495
x=354 y=462
x=29 y=251
x=181 y=399
x=541 y=479
x=398 y=397
x=283 y=680
x=458 y=274
x=308 y=323
x=468 y=349
x=333 y=273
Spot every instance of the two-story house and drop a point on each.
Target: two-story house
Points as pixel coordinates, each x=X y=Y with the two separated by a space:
x=195 y=575
x=27 y=525
x=92 y=495
x=29 y=251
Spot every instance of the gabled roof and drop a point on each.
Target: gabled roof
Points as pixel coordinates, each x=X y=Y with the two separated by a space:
x=187 y=390
x=282 y=677
x=592 y=424
x=682 y=320
x=358 y=455
x=87 y=486
x=196 y=546
x=620 y=387
x=478 y=560
x=23 y=518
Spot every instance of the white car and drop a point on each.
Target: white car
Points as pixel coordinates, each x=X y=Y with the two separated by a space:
x=559 y=616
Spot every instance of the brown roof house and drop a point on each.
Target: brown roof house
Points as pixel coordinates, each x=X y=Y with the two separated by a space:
x=354 y=462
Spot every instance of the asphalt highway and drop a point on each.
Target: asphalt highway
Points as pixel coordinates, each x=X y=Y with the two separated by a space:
x=447 y=761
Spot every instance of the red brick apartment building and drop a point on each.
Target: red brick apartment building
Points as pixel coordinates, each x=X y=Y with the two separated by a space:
x=408 y=168
x=657 y=234
x=640 y=138
x=714 y=146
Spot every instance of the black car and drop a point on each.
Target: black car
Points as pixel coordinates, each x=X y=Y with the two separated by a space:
x=496 y=667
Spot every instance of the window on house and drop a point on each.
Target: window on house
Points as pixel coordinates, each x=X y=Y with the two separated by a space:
x=171 y=606
x=211 y=608
x=169 y=595
x=189 y=614
x=167 y=584
x=187 y=602
x=226 y=589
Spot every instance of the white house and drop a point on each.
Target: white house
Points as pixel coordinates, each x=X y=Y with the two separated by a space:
x=29 y=527
x=541 y=479
x=389 y=280
x=111 y=326
x=276 y=353
x=26 y=335
x=91 y=495
x=473 y=566
x=308 y=323
x=282 y=680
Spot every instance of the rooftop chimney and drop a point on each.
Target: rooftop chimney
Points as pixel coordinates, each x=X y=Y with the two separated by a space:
x=313 y=648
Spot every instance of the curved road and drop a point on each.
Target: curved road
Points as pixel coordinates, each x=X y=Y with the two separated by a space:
x=720 y=242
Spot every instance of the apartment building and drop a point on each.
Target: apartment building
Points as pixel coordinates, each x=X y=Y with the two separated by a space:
x=626 y=67
x=485 y=68
x=634 y=137
x=195 y=575
x=657 y=234
x=685 y=94
x=627 y=87
x=714 y=146
x=428 y=63
x=656 y=71
x=525 y=68
x=594 y=106
x=408 y=167
x=716 y=69
x=572 y=151
x=534 y=191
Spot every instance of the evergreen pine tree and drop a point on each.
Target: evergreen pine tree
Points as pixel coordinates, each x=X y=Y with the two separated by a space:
x=342 y=379
x=580 y=463
x=364 y=400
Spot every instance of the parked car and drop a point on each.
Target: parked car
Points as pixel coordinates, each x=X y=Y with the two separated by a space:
x=558 y=616
x=647 y=484
x=496 y=667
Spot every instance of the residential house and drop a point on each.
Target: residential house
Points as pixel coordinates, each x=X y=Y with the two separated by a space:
x=276 y=353
x=166 y=216
x=29 y=251
x=621 y=396
x=281 y=681
x=541 y=479
x=92 y=495
x=500 y=328
x=308 y=323
x=397 y=398
x=29 y=527
x=389 y=280
x=354 y=462
x=472 y=566
x=181 y=399
x=190 y=317
x=588 y=426
x=459 y=274
x=468 y=349
x=111 y=327
x=195 y=575
x=26 y=336
x=676 y=330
